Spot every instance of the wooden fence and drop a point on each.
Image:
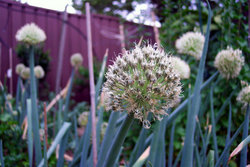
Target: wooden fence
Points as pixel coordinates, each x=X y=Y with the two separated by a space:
x=105 y=34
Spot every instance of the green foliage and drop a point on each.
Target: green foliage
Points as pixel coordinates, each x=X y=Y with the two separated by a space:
x=42 y=57
x=107 y=7
x=14 y=148
x=228 y=28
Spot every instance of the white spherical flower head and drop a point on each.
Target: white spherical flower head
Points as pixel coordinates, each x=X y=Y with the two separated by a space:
x=19 y=68
x=9 y=97
x=191 y=43
x=39 y=72
x=76 y=60
x=229 y=62
x=142 y=81
x=181 y=67
x=244 y=95
x=30 y=34
x=83 y=119
x=25 y=74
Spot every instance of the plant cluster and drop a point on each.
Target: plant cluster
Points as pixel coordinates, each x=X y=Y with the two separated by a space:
x=145 y=83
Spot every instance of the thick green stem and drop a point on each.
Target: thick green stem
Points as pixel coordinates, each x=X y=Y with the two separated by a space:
x=243 y=154
x=35 y=120
x=117 y=142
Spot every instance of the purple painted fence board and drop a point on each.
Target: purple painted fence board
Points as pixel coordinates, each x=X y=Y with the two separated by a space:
x=13 y=15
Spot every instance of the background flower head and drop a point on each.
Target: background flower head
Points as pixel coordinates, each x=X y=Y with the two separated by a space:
x=30 y=34
x=142 y=81
x=181 y=67
x=19 y=68
x=244 y=95
x=76 y=60
x=25 y=74
x=191 y=43
x=229 y=62
x=39 y=72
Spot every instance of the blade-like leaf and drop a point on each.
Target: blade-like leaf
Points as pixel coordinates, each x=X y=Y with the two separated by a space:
x=228 y=145
x=211 y=158
x=57 y=140
x=213 y=124
x=243 y=154
x=62 y=149
x=171 y=146
x=117 y=142
x=1 y=153
x=142 y=158
x=101 y=75
x=86 y=143
x=107 y=140
x=240 y=147
x=30 y=139
x=187 y=158
x=68 y=95
x=228 y=133
x=35 y=120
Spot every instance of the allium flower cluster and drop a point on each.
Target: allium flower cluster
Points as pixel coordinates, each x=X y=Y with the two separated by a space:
x=142 y=81
x=25 y=74
x=39 y=72
x=244 y=95
x=191 y=43
x=181 y=67
x=19 y=68
x=229 y=62
x=76 y=60
x=30 y=34
x=83 y=119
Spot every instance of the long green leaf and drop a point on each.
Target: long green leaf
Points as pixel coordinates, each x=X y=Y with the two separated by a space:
x=220 y=113
x=45 y=153
x=197 y=156
x=200 y=17
x=228 y=145
x=157 y=151
x=228 y=133
x=142 y=158
x=68 y=94
x=243 y=154
x=178 y=158
x=35 y=122
x=171 y=146
x=117 y=142
x=213 y=125
x=57 y=140
x=240 y=147
x=86 y=143
x=187 y=158
x=211 y=158
x=62 y=149
x=107 y=140
x=1 y=153
x=30 y=139
x=100 y=78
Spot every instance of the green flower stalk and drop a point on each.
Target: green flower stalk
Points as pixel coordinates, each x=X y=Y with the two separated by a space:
x=191 y=43
x=142 y=81
x=31 y=35
x=229 y=62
